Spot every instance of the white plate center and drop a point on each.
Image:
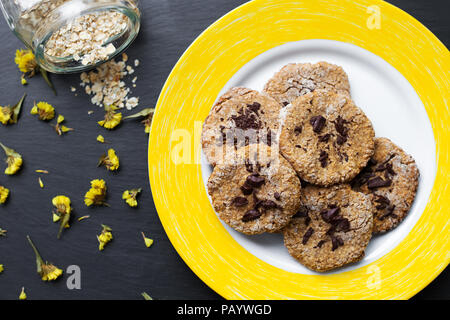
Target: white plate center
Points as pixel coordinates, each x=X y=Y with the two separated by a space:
x=388 y=100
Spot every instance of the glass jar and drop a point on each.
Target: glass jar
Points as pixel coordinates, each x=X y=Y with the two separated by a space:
x=73 y=35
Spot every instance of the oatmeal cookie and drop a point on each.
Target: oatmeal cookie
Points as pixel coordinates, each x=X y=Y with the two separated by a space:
x=391 y=179
x=297 y=79
x=331 y=229
x=257 y=191
x=326 y=138
x=241 y=116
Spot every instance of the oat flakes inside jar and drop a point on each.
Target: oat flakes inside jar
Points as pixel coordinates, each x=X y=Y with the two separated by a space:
x=73 y=35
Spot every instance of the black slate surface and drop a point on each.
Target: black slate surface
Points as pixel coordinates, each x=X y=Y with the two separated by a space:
x=126 y=267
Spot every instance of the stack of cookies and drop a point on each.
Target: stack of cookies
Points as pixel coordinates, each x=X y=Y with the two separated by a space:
x=302 y=159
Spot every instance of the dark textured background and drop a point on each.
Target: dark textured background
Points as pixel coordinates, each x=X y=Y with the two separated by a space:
x=126 y=267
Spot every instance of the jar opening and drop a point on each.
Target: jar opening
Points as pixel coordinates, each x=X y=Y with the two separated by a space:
x=78 y=37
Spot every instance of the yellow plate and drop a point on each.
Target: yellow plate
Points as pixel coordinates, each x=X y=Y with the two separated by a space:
x=190 y=91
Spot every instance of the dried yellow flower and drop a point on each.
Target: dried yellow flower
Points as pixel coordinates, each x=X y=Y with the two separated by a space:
x=23 y=295
x=4 y=193
x=148 y=241
x=130 y=196
x=10 y=115
x=1 y=268
x=47 y=271
x=96 y=194
x=83 y=218
x=41 y=183
x=100 y=139
x=26 y=62
x=147 y=113
x=59 y=127
x=44 y=110
x=105 y=237
x=42 y=171
x=13 y=160
x=112 y=118
x=110 y=161
x=63 y=210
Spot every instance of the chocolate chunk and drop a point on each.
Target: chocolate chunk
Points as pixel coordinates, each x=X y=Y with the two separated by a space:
x=339 y=125
x=389 y=212
x=298 y=130
x=323 y=158
x=307 y=221
x=320 y=244
x=317 y=122
x=362 y=178
x=330 y=215
x=277 y=196
x=268 y=204
x=340 y=140
x=307 y=235
x=390 y=169
x=254 y=107
x=342 y=225
x=285 y=103
x=378 y=182
x=301 y=213
x=325 y=137
x=239 y=202
x=246 y=190
x=269 y=138
x=246 y=120
x=251 y=215
x=255 y=180
x=382 y=199
x=336 y=242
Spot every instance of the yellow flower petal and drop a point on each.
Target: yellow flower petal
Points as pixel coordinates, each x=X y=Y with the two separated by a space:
x=105 y=237
x=148 y=241
x=44 y=110
x=56 y=218
x=23 y=295
x=100 y=139
x=4 y=193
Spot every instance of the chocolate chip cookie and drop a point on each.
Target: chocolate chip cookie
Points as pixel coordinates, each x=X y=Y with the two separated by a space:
x=326 y=138
x=297 y=79
x=331 y=229
x=240 y=117
x=257 y=191
x=391 y=179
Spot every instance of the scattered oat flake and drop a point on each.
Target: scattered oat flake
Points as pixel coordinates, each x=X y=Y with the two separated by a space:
x=73 y=89
x=90 y=112
x=106 y=85
x=137 y=63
